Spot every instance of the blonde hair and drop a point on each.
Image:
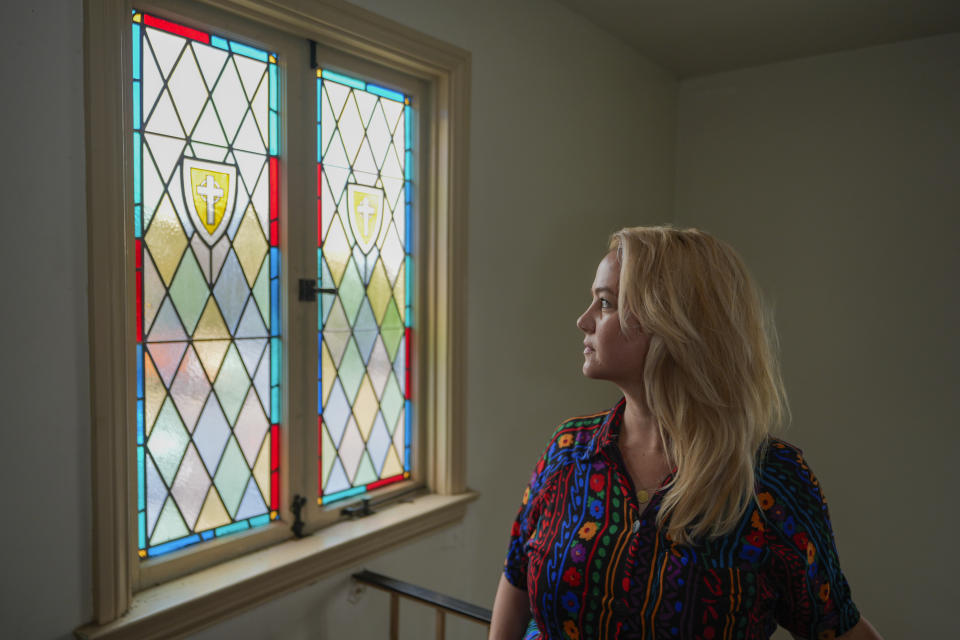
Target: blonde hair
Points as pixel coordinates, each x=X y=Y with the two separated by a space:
x=711 y=376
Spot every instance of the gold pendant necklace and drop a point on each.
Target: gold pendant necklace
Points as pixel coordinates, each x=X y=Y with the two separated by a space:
x=643 y=496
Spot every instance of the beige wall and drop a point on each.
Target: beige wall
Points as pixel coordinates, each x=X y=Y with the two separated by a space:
x=836 y=177
x=832 y=175
x=572 y=134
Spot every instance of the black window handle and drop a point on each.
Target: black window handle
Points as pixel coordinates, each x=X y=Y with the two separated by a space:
x=309 y=290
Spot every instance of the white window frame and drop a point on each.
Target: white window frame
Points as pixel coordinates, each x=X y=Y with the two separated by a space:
x=136 y=599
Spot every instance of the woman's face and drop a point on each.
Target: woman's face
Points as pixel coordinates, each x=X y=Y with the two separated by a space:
x=608 y=353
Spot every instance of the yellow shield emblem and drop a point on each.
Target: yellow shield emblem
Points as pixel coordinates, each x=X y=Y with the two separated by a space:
x=365 y=206
x=209 y=189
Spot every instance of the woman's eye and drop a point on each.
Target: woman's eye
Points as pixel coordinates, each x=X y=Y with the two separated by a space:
x=605 y=304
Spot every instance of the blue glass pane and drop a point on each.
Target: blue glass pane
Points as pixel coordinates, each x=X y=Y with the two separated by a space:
x=342 y=79
x=275 y=405
x=273 y=87
x=231 y=528
x=275 y=361
x=260 y=520
x=139 y=421
x=250 y=52
x=386 y=93
x=273 y=133
x=173 y=545
x=136 y=51
x=220 y=43
x=140 y=500
x=340 y=495
x=136 y=169
x=136 y=104
x=139 y=370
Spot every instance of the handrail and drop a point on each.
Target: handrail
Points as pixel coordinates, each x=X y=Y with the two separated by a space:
x=441 y=603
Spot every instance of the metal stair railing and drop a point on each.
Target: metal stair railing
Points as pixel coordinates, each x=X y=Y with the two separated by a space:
x=441 y=603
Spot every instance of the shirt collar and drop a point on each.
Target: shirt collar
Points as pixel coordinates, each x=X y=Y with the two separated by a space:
x=609 y=431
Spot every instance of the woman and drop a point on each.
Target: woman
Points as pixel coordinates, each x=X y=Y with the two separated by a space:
x=675 y=514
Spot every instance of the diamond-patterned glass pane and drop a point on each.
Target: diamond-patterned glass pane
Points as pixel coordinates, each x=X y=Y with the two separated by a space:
x=364 y=135
x=207 y=274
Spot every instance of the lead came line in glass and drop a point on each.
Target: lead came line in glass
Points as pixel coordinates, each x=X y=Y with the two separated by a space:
x=206 y=219
x=364 y=222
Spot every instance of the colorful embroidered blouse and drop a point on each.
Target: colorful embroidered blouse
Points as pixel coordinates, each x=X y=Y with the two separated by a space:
x=596 y=567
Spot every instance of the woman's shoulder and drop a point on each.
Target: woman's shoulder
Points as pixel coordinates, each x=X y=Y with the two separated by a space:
x=784 y=478
x=571 y=440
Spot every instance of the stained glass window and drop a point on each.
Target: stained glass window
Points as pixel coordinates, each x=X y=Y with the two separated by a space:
x=207 y=277
x=364 y=205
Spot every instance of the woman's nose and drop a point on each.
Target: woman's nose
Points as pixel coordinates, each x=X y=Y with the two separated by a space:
x=583 y=322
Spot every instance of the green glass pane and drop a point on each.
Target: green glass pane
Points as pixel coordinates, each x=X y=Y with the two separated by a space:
x=351 y=371
x=167 y=326
x=336 y=332
x=392 y=329
x=170 y=526
x=190 y=487
x=232 y=475
x=189 y=292
x=392 y=402
x=168 y=440
x=365 y=330
x=231 y=385
x=379 y=291
x=365 y=472
x=351 y=292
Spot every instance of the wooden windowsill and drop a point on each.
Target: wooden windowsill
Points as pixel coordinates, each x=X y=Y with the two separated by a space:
x=187 y=604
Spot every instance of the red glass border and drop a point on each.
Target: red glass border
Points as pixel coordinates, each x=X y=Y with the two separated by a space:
x=173 y=27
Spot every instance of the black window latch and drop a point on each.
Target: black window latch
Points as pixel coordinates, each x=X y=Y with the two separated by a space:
x=309 y=290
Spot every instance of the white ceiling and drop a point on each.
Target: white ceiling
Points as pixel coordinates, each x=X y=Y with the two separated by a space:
x=698 y=37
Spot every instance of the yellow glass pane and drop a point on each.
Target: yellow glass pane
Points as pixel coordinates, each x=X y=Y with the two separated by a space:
x=379 y=291
x=336 y=250
x=365 y=407
x=211 y=354
x=329 y=372
x=250 y=245
x=166 y=240
x=213 y=513
x=211 y=325
x=400 y=288
x=155 y=393
x=392 y=466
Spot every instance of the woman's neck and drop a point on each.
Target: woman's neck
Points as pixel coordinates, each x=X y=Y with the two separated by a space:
x=639 y=431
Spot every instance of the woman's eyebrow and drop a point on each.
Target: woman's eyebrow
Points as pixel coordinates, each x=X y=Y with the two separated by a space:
x=602 y=290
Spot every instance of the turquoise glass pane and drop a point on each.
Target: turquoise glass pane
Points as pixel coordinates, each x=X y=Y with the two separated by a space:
x=250 y=52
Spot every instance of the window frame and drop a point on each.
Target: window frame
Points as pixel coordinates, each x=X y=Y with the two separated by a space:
x=349 y=35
